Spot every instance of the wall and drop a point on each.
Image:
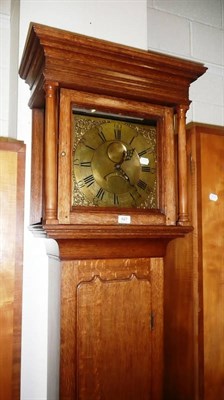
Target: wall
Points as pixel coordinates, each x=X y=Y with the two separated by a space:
x=4 y=65
x=193 y=30
x=13 y=69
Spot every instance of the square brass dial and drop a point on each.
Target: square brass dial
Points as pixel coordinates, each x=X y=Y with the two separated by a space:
x=114 y=162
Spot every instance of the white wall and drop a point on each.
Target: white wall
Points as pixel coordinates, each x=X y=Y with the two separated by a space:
x=193 y=30
x=4 y=65
x=189 y=29
x=13 y=69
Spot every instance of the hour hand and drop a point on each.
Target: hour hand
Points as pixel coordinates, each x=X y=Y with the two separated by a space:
x=122 y=173
x=118 y=171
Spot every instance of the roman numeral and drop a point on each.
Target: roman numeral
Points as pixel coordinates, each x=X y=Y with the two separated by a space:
x=146 y=168
x=142 y=185
x=116 y=200
x=100 y=194
x=132 y=139
x=83 y=141
x=101 y=135
x=80 y=184
x=85 y=164
x=143 y=152
x=135 y=195
x=117 y=131
x=89 y=147
x=89 y=180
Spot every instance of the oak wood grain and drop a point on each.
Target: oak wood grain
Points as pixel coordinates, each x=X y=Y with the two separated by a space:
x=167 y=185
x=179 y=321
x=37 y=166
x=86 y=72
x=50 y=152
x=212 y=178
x=193 y=324
x=109 y=330
x=12 y=172
x=116 y=70
x=183 y=218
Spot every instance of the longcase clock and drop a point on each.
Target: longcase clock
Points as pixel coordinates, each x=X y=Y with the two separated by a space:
x=109 y=184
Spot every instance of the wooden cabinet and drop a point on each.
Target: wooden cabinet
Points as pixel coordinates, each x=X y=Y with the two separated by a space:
x=206 y=152
x=12 y=175
x=112 y=272
x=193 y=281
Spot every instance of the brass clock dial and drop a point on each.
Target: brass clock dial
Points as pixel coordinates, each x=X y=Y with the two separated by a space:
x=114 y=163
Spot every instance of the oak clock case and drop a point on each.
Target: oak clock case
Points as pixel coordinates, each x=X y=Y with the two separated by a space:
x=110 y=274
x=114 y=161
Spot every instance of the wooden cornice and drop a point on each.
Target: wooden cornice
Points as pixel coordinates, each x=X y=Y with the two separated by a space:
x=97 y=66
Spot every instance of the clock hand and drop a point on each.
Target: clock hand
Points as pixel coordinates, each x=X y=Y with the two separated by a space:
x=122 y=173
x=126 y=155
x=118 y=171
x=118 y=153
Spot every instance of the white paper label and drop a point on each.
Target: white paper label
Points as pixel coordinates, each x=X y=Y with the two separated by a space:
x=213 y=197
x=124 y=219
